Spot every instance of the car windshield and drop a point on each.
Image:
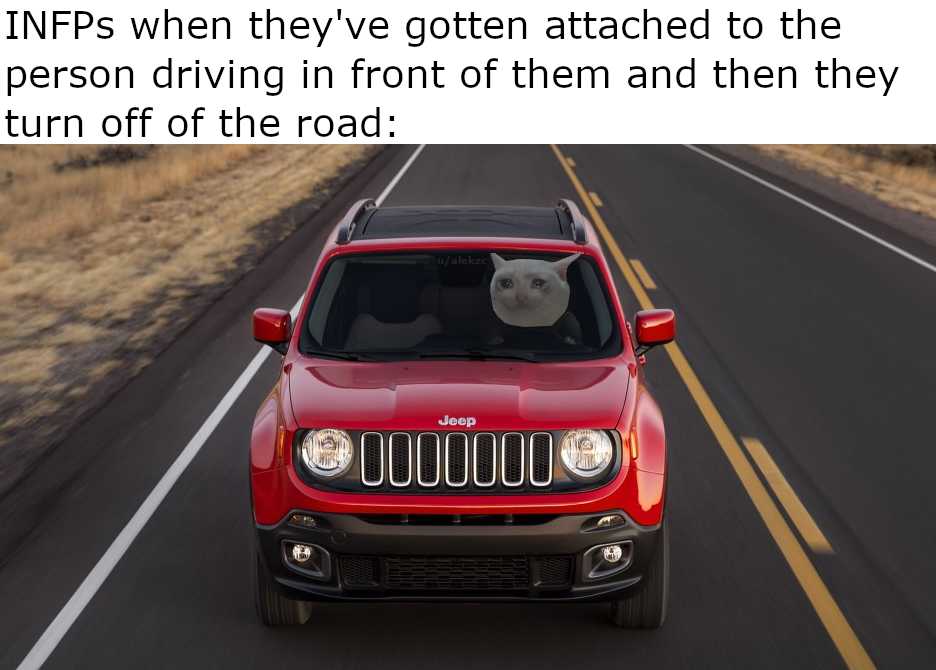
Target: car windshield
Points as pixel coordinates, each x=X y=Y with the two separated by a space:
x=475 y=305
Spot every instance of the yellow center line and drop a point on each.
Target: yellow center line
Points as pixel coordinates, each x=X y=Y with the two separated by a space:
x=641 y=271
x=642 y=298
x=828 y=611
x=595 y=198
x=795 y=509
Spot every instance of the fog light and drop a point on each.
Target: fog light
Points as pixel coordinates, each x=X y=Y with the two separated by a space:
x=301 y=553
x=606 y=560
x=611 y=553
x=609 y=521
x=309 y=560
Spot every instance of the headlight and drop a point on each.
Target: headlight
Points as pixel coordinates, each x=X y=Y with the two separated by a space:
x=327 y=453
x=586 y=453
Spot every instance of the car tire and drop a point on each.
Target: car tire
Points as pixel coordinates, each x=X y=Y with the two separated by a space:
x=647 y=608
x=273 y=608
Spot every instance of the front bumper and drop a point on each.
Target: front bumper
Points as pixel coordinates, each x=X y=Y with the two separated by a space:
x=442 y=557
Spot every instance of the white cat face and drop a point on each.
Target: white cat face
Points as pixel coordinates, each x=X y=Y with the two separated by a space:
x=530 y=293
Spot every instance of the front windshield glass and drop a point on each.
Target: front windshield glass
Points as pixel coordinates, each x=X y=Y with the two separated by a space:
x=507 y=305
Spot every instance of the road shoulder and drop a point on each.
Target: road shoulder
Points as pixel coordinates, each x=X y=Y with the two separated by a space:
x=917 y=226
x=132 y=401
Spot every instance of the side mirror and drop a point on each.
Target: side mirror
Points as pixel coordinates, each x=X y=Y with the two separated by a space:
x=272 y=327
x=654 y=327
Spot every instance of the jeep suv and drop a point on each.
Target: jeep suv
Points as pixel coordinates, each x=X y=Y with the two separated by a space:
x=438 y=433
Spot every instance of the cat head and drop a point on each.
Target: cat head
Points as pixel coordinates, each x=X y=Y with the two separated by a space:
x=530 y=293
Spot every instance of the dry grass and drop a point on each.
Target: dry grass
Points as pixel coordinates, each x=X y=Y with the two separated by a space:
x=901 y=175
x=97 y=263
x=40 y=204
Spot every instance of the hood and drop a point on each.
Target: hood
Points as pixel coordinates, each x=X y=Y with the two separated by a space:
x=488 y=395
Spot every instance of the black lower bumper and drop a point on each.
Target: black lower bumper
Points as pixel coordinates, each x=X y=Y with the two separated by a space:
x=499 y=558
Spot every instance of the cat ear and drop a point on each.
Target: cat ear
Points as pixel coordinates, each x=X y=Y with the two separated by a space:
x=562 y=265
x=498 y=262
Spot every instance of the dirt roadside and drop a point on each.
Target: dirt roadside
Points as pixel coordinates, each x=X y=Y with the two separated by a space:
x=86 y=308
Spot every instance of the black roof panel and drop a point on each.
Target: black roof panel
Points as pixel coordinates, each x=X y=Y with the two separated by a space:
x=530 y=222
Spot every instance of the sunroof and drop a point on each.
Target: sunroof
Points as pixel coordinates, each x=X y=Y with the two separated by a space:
x=532 y=222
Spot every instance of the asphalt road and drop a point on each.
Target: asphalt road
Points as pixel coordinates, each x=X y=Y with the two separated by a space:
x=805 y=335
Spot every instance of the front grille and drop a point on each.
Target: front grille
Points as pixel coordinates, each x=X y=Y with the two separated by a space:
x=456 y=460
x=417 y=573
x=457 y=519
x=454 y=574
x=359 y=571
x=554 y=571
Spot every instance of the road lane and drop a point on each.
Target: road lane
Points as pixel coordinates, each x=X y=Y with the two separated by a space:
x=472 y=175
x=181 y=594
x=78 y=501
x=88 y=588
x=801 y=340
x=795 y=510
x=828 y=610
x=893 y=247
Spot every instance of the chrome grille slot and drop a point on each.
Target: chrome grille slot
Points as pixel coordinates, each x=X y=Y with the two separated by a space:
x=427 y=459
x=512 y=459
x=456 y=459
x=541 y=462
x=485 y=459
x=372 y=460
x=401 y=459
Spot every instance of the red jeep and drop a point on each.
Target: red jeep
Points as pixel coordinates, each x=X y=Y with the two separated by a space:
x=461 y=415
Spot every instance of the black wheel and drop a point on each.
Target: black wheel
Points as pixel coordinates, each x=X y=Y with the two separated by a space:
x=273 y=608
x=647 y=607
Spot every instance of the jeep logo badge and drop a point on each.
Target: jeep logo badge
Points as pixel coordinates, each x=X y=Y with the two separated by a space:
x=466 y=421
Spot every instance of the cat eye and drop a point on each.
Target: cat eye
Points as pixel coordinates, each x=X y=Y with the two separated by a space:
x=538 y=283
x=506 y=283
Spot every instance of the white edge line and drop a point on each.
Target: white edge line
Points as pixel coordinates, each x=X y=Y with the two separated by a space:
x=805 y=203
x=79 y=600
x=399 y=175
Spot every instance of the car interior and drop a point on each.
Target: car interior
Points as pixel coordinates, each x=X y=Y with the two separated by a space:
x=440 y=302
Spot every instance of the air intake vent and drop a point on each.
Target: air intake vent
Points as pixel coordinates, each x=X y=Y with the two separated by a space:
x=554 y=571
x=449 y=574
x=359 y=571
x=468 y=573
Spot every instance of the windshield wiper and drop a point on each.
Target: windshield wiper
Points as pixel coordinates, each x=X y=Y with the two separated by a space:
x=340 y=355
x=479 y=355
x=468 y=354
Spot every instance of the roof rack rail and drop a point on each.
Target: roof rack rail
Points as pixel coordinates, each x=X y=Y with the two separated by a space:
x=578 y=221
x=350 y=220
